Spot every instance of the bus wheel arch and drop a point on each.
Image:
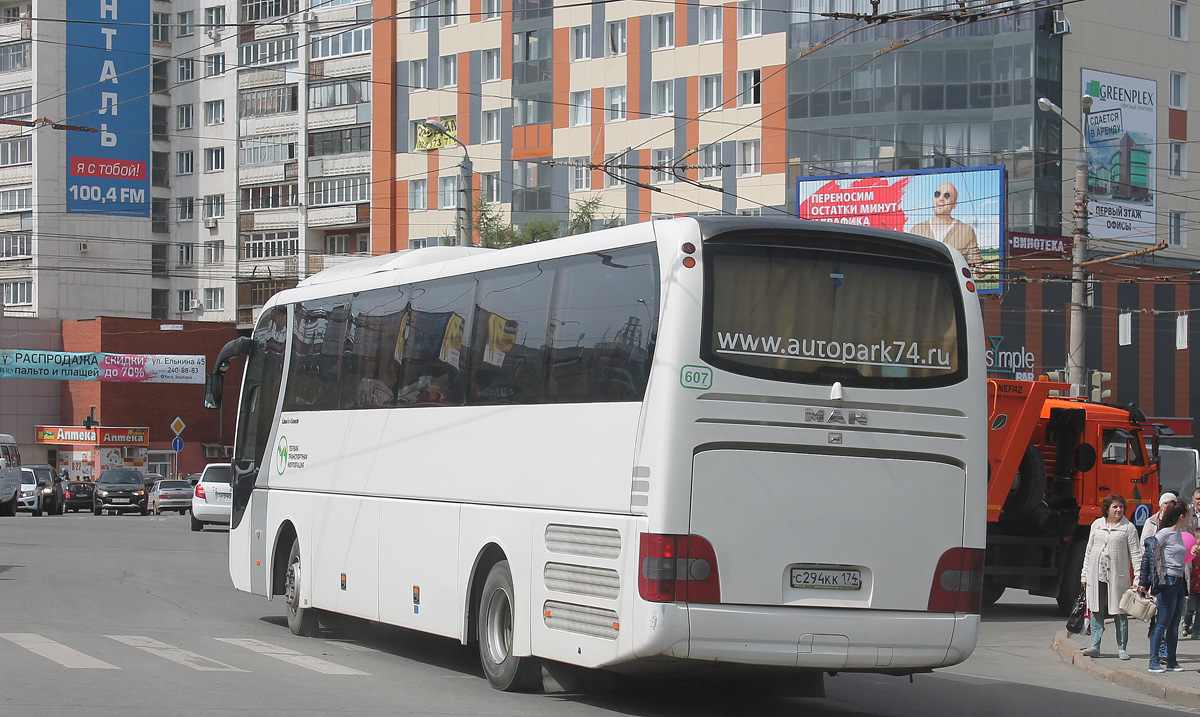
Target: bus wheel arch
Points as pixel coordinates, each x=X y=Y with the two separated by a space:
x=488 y=556
x=279 y=556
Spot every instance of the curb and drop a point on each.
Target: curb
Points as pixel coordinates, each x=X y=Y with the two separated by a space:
x=1160 y=686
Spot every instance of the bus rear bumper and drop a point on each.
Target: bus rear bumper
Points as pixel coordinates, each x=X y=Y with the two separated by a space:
x=830 y=639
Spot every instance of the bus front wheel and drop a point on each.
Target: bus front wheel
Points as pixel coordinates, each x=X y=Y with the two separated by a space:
x=301 y=620
x=504 y=670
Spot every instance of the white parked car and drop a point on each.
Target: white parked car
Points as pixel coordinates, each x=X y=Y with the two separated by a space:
x=10 y=475
x=212 y=501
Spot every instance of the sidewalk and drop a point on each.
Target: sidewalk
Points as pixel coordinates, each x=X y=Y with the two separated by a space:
x=1180 y=688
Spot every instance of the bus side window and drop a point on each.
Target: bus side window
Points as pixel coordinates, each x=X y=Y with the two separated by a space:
x=508 y=355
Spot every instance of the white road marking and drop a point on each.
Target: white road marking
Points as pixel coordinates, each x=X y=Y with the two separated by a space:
x=308 y=662
x=174 y=654
x=56 y=652
x=351 y=646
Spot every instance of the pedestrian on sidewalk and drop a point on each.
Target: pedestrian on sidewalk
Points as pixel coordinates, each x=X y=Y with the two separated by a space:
x=1152 y=524
x=1113 y=551
x=1165 y=578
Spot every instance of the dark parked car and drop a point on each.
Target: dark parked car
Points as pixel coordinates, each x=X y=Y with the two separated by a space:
x=80 y=495
x=119 y=490
x=46 y=490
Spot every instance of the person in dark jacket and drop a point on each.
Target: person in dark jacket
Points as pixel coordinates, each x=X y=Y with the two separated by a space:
x=1164 y=576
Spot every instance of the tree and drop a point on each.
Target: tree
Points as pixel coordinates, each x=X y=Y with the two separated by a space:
x=495 y=232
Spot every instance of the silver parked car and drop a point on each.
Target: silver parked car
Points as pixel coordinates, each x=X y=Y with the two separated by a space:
x=171 y=495
x=212 y=501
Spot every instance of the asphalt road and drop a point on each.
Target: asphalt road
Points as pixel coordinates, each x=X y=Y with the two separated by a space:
x=135 y=615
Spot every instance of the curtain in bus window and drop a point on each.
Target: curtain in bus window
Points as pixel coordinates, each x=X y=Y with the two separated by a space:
x=820 y=317
x=264 y=369
x=603 y=326
x=430 y=344
x=508 y=358
x=319 y=340
x=372 y=366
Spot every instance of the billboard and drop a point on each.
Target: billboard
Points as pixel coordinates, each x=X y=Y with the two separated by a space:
x=960 y=207
x=108 y=87
x=1120 y=135
x=124 y=368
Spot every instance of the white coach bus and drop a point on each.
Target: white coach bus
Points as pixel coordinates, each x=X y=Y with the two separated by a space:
x=693 y=444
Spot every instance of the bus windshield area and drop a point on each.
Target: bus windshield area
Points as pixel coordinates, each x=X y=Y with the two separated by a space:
x=818 y=316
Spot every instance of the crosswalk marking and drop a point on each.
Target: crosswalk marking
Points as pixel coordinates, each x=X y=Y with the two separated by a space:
x=174 y=654
x=350 y=646
x=315 y=664
x=56 y=652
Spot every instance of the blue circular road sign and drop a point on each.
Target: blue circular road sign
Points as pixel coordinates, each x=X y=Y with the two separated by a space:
x=177 y=444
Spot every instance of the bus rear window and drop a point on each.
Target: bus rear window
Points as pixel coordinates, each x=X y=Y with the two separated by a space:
x=819 y=316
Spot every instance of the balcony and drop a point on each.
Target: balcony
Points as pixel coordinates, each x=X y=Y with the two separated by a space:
x=270 y=124
x=286 y=268
x=321 y=262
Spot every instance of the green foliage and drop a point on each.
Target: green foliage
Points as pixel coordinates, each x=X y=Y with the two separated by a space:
x=496 y=233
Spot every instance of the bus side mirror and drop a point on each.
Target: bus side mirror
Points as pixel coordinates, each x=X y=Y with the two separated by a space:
x=214 y=385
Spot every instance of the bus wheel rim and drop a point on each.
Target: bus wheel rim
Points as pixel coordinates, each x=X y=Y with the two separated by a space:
x=499 y=627
x=293 y=579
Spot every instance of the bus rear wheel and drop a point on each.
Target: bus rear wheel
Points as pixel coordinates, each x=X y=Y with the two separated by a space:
x=504 y=670
x=301 y=620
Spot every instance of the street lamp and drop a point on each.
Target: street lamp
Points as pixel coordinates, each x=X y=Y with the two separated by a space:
x=465 y=228
x=1079 y=236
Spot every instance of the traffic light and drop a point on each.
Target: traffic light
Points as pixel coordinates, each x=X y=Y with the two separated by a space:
x=1057 y=377
x=1099 y=393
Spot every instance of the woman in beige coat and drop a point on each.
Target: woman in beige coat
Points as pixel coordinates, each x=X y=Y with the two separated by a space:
x=1114 y=551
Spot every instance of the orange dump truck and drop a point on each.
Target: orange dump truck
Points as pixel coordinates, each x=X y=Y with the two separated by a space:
x=1051 y=462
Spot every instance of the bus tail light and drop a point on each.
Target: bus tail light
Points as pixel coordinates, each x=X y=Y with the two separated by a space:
x=958 y=581
x=200 y=491
x=677 y=568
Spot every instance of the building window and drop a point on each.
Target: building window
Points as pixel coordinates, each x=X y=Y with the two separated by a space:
x=339 y=93
x=448 y=73
x=1179 y=21
x=1179 y=90
x=269 y=52
x=186 y=22
x=339 y=141
x=350 y=42
x=448 y=192
x=750 y=18
x=184 y=300
x=269 y=101
x=214 y=206
x=614 y=104
x=449 y=13
x=710 y=92
x=749 y=88
x=16 y=246
x=186 y=71
x=491 y=65
x=14 y=57
x=160 y=223
x=664 y=31
x=214 y=17
x=187 y=254
x=1176 y=229
x=214 y=252
x=581 y=174
x=16 y=151
x=160 y=26
x=662 y=160
x=186 y=209
x=270 y=196
x=662 y=98
x=581 y=43
x=271 y=149
x=710 y=160
x=184 y=162
x=160 y=72
x=214 y=112
x=160 y=169
x=490 y=187
x=491 y=9
x=339 y=190
x=418 y=75
x=710 y=23
x=749 y=158
x=537 y=109
x=18 y=293
x=491 y=126
x=1177 y=159
x=17 y=105
x=613 y=175
x=16 y=200
x=159 y=122
x=337 y=244
x=581 y=108
x=214 y=159
x=614 y=33
x=214 y=64
x=214 y=299
x=418 y=195
x=268 y=245
x=183 y=117
x=418 y=15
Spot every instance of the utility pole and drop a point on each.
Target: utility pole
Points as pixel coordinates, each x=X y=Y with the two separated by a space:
x=466 y=227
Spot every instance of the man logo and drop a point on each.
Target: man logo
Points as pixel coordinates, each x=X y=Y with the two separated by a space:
x=847 y=418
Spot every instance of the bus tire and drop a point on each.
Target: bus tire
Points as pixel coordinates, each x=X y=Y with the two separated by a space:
x=1029 y=487
x=1068 y=587
x=504 y=670
x=301 y=621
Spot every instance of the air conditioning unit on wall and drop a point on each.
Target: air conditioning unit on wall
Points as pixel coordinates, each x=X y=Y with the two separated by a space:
x=197 y=305
x=83 y=247
x=210 y=223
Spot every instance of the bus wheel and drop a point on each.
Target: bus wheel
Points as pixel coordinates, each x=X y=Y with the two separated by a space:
x=301 y=620
x=504 y=670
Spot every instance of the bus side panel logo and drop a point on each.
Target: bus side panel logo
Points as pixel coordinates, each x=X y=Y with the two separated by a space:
x=695 y=377
x=281 y=455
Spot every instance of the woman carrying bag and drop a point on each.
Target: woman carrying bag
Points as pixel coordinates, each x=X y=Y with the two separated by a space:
x=1113 y=551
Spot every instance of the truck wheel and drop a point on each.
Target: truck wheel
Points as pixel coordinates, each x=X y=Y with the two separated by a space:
x=1068 y=588
x=1029 y=487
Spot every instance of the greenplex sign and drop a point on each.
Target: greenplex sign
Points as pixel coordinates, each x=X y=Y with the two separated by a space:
x=1120 y=138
